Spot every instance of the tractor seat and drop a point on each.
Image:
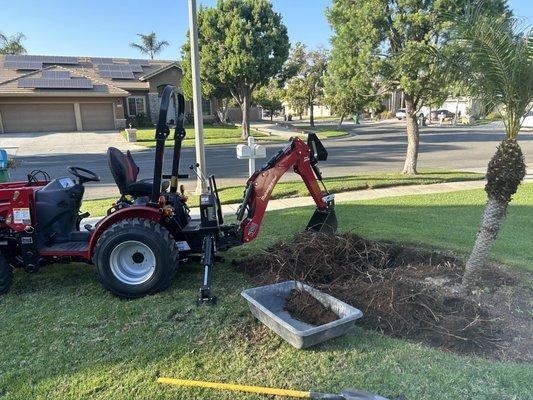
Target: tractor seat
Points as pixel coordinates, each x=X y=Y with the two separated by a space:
x=125 y=171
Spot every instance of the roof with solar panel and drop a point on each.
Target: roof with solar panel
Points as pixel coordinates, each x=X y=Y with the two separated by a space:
x=36 y=74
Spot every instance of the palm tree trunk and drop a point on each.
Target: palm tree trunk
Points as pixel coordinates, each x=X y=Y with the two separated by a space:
x=490 y=225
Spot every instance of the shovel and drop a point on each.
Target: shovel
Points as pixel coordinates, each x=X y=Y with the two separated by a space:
x=348 y=394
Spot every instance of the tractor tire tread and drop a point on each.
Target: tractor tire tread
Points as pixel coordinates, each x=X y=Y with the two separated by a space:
x=160 y=231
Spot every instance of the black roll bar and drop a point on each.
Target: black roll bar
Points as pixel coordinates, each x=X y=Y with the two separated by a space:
x=161 y=133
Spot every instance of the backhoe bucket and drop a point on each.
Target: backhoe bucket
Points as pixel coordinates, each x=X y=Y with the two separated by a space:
x=323 y=221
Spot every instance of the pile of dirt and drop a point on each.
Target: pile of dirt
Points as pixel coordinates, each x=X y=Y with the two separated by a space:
x=304 y=307
x=406 y=293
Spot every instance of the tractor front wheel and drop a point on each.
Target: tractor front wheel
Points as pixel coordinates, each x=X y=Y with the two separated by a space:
x=135 y=257
x=6 y=275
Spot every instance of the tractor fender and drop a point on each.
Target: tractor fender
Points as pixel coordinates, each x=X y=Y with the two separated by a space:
x=144 y=212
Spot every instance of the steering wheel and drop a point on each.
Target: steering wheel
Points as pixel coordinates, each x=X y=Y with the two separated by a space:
x=84 y=175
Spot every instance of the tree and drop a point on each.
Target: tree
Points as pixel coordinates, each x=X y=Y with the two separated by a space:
x=500 y=70
x=391 y=39
x=295 y=97
x=149 y=44
x=12 y=44
x=309 y=80
x=348 y=89
x=242 y=44
x=270 y=97
x=211 y=86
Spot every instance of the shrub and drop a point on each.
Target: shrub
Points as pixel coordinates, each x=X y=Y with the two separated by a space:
x=493 y=116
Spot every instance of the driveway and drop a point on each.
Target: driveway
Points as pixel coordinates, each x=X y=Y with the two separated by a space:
x=47 y=143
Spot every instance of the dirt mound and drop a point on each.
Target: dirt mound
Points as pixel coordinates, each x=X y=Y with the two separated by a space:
x=403 y=292
x=304 y=307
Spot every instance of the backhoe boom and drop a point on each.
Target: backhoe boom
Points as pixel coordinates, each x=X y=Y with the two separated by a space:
x=260 y=185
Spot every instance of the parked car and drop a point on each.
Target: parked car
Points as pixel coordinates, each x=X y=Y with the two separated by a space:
x=527 y=120
x=446 y=115
x=401 y=114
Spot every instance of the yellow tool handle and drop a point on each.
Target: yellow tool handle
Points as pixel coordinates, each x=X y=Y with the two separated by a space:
x=236 y=388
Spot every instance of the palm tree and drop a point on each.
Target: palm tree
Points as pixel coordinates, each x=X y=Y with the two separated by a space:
x=12 y=44
x=501 y=73
x=149 y=44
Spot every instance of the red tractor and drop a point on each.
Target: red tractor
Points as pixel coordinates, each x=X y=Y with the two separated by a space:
x=136 y=248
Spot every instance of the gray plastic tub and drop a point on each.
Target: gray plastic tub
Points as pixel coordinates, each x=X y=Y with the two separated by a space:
x=267 y=304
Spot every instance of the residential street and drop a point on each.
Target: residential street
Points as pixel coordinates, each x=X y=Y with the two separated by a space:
x=369 y=148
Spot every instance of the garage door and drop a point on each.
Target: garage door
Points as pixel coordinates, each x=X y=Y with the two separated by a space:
x=38 y=117
x=97 y=116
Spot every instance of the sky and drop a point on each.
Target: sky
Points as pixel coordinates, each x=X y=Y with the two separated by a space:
x=106 y=27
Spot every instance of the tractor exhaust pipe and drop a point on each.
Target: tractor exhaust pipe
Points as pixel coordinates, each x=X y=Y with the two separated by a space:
x=323 y=221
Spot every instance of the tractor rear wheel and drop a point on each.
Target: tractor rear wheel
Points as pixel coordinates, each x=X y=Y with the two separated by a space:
x=135 y=257
x=6 y=275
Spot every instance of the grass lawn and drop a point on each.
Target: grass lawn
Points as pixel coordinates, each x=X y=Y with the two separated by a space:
x=234 y=194
x=213 y=134
x=223 y=134
x=66 y=338
x=324 y=131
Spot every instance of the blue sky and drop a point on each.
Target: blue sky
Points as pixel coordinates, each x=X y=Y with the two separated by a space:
x=105 y=28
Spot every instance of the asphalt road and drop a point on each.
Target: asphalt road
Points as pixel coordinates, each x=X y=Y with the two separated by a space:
x=372 y=148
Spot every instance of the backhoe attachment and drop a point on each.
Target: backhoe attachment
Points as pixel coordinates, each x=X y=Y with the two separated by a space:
x=323 y=221
x=303 y=158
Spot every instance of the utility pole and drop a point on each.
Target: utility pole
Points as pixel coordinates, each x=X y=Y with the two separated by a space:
x=197 y=98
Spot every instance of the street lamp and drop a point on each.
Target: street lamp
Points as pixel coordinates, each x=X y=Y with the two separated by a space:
x=197 y=98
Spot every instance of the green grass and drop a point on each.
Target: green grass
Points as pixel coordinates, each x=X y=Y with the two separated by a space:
x=223 y=134
x=323 y=131
x=213 y=135
x=66 y=338
x=234 y=194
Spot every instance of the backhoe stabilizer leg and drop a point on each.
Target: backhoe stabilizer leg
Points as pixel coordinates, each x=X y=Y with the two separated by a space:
x=208 y=261
x=323 y=221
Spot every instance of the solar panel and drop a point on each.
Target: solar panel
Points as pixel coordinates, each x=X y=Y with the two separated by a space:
x=99 y=60
x=23 y=65
x=144 y=63
x=42 y=59
x=116 y=74
x=120 y=67
x=59 y=60
x=47 y=83
x=56 y=74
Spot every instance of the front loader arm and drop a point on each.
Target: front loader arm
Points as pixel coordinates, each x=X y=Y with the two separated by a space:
x=260 y=185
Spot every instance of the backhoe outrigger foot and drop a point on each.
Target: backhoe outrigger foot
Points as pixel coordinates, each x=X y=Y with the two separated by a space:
x=208 y=261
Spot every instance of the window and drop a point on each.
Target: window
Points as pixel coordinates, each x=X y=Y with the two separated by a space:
x=136 y=105
x=206 y=107
x=160 y=89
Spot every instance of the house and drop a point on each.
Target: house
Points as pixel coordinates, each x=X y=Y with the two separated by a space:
x=63 y=93
x=464 y=105
x=58 y=93
x=319 y=110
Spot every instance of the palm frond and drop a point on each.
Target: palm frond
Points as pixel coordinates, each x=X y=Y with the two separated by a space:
x=500 y=63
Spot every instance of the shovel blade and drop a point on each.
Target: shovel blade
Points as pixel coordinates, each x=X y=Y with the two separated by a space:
x=323 y=221
x=355 y=394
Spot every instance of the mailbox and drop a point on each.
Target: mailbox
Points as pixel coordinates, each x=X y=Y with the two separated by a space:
x=244 y=151
x=259 y=151
x=250 y=152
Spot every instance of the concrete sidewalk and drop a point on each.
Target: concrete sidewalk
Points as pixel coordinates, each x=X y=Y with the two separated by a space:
x=370 y=194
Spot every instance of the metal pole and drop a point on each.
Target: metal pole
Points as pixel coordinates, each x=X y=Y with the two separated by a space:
x=197 y=97
x=251 y=161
